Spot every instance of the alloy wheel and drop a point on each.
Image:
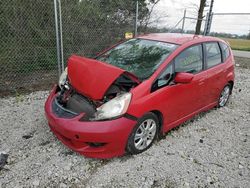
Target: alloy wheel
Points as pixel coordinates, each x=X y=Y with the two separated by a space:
x=224 y=96
x=145 y=134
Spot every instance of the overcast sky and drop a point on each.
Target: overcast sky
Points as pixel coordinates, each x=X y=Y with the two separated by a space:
x=229 y=24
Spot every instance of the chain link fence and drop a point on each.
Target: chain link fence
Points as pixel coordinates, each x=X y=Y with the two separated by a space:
x=27 y=51
x=28 y=56
x=88 y=27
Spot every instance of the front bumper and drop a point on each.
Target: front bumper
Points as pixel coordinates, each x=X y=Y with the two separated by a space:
x=77 y=135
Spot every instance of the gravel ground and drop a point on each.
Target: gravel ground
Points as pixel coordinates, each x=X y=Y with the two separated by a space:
x=211 y=150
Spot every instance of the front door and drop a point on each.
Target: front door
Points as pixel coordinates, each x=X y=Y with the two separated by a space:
x=178 y=101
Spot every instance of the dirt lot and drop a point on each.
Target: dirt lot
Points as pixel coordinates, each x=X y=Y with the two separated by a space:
x=211 y=150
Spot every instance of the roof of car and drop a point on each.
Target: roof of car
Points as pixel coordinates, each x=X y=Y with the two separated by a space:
x=176 y=38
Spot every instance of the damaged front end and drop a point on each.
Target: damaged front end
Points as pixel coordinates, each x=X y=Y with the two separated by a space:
x=95 y=89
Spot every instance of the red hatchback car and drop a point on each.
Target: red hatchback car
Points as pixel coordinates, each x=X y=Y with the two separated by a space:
x=121 y=100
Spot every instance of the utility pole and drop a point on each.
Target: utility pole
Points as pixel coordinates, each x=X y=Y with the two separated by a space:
x=209 y=19
x=183 y=21
x=136 y=18
x=206 y=22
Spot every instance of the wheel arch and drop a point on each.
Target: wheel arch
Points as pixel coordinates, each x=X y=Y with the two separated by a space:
x=231 y=83
x=160 y=118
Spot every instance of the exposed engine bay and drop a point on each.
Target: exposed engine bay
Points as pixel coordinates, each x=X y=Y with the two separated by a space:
x=70 y=99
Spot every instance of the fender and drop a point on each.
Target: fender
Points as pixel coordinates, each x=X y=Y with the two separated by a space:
x=230 y=76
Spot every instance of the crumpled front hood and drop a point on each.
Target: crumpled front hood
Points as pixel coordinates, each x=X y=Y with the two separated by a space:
x=90 y=77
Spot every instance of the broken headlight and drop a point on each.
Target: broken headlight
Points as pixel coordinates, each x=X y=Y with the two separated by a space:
x=63 y=77
x=113 y=108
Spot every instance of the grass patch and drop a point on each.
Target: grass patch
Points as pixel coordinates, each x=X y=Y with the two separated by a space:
x=238 y=44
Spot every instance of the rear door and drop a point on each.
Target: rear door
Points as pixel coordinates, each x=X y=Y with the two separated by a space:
x=216 y=72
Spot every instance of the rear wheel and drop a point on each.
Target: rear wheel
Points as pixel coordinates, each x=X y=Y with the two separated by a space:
x=143 y=134
x=224 y=96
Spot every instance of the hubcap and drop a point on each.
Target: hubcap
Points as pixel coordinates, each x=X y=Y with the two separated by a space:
x=224 y=96
x=145 y=134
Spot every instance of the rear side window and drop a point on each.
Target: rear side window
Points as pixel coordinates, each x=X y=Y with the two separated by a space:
x=213 y=54
x=190 y=60
x=225 y=50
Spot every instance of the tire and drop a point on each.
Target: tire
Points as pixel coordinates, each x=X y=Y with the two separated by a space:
x=143 y=134
x=224 y=95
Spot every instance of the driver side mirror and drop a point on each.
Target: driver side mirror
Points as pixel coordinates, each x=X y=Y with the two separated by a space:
x=183 y=77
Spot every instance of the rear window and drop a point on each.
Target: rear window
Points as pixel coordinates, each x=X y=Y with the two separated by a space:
x=213 y=56
x=225 y=50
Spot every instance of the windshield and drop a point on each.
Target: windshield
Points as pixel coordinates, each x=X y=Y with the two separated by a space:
x=138 y=56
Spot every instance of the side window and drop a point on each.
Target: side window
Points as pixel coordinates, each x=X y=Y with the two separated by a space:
x=225 y=50
x=190 y=60
x=213 y=54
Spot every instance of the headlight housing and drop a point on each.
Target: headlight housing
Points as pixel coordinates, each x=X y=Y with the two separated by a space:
x=113 y=108
x=63 y=77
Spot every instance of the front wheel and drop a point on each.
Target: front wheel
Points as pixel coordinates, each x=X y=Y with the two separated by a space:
x=224 y=96
x=144 y=134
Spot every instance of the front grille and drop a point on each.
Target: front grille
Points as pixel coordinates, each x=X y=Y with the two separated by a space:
x=61 y=112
